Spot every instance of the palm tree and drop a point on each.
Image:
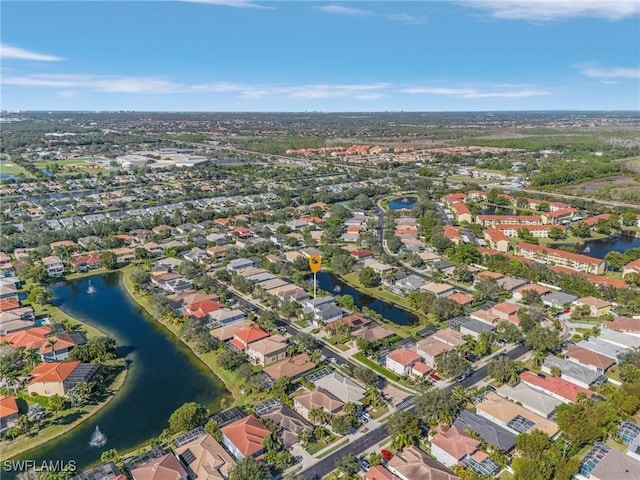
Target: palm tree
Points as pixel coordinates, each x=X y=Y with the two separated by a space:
x=52 y=343
x=11 y=377
x=459 y=394
x=305 y=437
x=271 y=443
x=373 y=397
x=318 y=416
x=32 y=355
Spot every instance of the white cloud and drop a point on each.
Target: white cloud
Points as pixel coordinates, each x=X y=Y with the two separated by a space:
x=358 y=12
x=357 y=91
x=546 y=10
x=96 y=83
x=512 y=91
x=16 y=53
x=233 y=4
x=592 y=70
x=161 y=86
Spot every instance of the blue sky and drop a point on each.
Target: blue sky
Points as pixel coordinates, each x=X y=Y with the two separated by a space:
x=241 y=55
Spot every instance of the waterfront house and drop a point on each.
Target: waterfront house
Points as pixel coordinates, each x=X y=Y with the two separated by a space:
x=54 y=266
x=58 y=378
x=245 y=437
x=9 y=412
x=205 y=458
x=267 y=350
x=166 y=467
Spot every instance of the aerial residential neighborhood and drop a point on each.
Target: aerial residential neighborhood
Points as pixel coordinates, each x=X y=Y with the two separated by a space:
x=266 y=240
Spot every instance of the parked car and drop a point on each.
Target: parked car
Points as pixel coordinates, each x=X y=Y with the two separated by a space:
x=501 y=343
x=435 y=377
x=365 y=465
x=386 y=454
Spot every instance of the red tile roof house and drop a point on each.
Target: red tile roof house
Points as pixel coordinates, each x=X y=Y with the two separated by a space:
x=624 y=324
x=632 y=267
x=402 y=360
x=86 y=261
x=576 y=261
x=539 y=289
x=244 y=437
x=462 y=212
x=59 y=377
x=497 y=240
x=38 y=338
x=587 y=358
x=449 y=447
x=202 y=309
x=556 y=387
x=242 y=338
x=461 y=298
x=166 y=467
x=378 y=472
x=9 y=412
x=451 y=233
x=506 y=311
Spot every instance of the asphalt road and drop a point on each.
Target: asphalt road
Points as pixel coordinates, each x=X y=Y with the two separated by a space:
x=328 y=464
x=356 y=447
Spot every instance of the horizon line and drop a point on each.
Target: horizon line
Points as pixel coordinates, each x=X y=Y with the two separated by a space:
x=7 y=111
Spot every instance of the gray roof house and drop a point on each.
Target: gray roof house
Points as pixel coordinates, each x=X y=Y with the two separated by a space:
x=606 y=463
x=239 y=264
x=533 y=400
x=226 y=316
x=620 y=339
x=290 y=422
x=558 y=299
x=490 y=432
x=572 y=372
x=328 y=313
x=473 y=327
x=342 y=387
x=409 y=283
x=602 y=347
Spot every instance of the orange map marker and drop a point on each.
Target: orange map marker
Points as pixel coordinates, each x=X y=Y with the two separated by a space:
x=315 y=262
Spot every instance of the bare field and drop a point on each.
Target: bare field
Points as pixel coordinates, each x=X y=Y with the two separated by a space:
x=620 y=187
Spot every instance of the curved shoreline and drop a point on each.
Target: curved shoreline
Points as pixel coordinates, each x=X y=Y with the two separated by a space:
x=117 y=385
x=164 y=325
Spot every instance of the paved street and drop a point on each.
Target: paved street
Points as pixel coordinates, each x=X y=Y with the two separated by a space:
x=368 y=440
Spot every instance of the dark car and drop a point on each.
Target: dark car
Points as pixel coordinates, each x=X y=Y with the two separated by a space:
x=435 y=377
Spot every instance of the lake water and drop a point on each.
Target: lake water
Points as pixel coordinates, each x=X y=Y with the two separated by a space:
x=599 y=248
x=163 y=374
x=332 y=284
x=405 y=202
x=495 y=210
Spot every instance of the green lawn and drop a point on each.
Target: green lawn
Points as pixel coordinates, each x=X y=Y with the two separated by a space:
x=10 y=168
x=337 y=446
x=231 y=380
x=315 y=447
x=378 y=412
x=571 y=239
x=376 y=368
x=57 y=316
x=61 y=423
x=382 y=293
